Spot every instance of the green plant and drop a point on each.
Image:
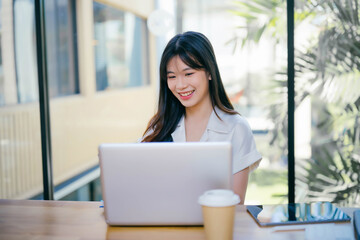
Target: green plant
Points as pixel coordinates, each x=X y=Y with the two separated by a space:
x=327 y=69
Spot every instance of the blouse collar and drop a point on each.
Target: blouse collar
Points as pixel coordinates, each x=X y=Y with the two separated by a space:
x=214 y=124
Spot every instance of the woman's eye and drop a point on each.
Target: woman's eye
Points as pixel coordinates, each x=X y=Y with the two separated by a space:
x=171 y=77
x=189 y=74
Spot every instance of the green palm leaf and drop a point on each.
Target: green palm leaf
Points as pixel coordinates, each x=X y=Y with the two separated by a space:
x=328 y=71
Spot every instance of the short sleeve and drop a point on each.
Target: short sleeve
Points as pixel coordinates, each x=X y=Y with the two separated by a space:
x=245 y=153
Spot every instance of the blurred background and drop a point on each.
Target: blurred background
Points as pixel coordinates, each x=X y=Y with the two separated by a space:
x=102 y=61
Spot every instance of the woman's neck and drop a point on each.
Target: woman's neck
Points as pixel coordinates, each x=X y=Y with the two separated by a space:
x=201 y=112
x=196 y=121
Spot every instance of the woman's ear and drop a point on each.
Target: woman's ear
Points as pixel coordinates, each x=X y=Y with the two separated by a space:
x=209 y=76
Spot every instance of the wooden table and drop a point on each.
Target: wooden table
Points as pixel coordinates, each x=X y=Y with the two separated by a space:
x=55 y=220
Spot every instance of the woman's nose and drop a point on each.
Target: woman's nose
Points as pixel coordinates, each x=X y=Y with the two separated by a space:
x=181 y=83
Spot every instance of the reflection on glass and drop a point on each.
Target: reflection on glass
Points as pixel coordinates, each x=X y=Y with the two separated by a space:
x=327 y=64
x=60 y=44
x=61 y=47
x=20 y=148
x=2 y=84
x=25 y=51
x=297 y=213
x=120 y=49
x=248 y=68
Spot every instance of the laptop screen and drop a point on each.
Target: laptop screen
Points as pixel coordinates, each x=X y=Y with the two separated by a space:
x=297 y=213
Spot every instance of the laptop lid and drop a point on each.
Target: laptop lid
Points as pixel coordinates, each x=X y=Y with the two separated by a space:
x=160 y=183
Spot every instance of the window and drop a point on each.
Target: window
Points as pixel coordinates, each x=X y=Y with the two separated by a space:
x=61 y=49
x=246 y=73
x=25 y=51
x=120 y=48
x=2 y=84
x=20 y=143
x=327 y=64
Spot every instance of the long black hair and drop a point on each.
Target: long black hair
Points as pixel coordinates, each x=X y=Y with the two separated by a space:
x=196 y=51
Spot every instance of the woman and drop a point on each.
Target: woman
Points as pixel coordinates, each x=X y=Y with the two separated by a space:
x=193 y=105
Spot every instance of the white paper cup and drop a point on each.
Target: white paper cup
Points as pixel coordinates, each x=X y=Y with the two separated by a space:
x=218 y=208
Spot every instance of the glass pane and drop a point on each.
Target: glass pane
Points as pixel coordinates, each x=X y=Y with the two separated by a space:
x=25 y=51
x=22 y=128
x=61 y=51
x=20 y=143
x=120 y=49
x=80 y=123
x=249 y=59
x=2 y=83
x=328 y=101
x=61 y=47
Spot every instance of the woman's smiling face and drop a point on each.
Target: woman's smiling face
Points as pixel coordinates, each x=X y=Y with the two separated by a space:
x=190 y=86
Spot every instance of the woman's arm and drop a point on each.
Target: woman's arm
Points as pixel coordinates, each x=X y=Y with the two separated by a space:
x=240 y=183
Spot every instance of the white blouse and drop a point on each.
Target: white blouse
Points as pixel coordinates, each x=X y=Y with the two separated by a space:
x=231 y=128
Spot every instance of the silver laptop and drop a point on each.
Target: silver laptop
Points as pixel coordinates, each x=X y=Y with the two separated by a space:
x=160 y=183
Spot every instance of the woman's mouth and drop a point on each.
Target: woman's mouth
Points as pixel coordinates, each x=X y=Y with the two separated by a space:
x=186 y=95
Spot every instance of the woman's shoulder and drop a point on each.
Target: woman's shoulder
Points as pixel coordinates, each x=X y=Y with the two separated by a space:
x=238 y=126
x=235 y=123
